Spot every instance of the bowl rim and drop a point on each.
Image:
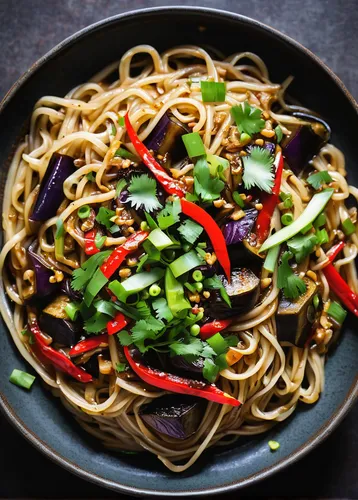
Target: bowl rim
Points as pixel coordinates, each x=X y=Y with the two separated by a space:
x=352 y=395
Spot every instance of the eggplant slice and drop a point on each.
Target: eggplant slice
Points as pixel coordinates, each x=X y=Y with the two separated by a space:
x=177 y=416
x=294 y=318
x=54 y=321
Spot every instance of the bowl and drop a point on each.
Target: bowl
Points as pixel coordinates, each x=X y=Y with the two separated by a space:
x=37 y=415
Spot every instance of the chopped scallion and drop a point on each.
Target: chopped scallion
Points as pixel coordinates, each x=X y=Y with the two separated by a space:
x=278 y=132
x=159 y=239
x=154 y=290
x=337 y=312
x=99 y=240
x=72 y=310
x=287 y=219
x=348 y=227
x=213 y=91
x=84 y=211
x=195 y=330
x=217 y=343
x=194 y=144
x=121 y=121
x=274 y=445
x=22 y=379
x=238 y=200
x=271 y=259
x=185 y=263
x=198 y=275
x=127 y=155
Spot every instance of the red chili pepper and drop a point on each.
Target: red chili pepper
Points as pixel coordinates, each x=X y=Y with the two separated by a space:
x=341 y=289
x=213 y=231
x=117 y=324
x=334 y=251
x=57 y=359
x=118 y=255
x=89 y=344
x=190 y=209
x=209 y=329
x=169 y=184
x=269 y=203
x=181 y=385
x=90 y=246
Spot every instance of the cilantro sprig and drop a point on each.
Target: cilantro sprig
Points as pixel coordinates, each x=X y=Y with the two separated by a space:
x=143 y=193
x=208 y=188
x=318 y=179
x=248 y=118
x=291 y=284
x=258 y=170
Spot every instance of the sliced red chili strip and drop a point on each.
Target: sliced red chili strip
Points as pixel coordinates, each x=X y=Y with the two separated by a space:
x=209 y=329
x=90 y=246
x=334 y=251
x=89 y=344
x=181 y=385
x=117 y=324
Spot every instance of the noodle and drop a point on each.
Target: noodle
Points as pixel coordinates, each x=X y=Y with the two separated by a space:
x=271 y=377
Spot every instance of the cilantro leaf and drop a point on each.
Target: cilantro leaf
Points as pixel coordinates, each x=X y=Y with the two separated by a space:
x=208 y=351
x=169 y=215
x=146 y=329
x=258 y=170
x=216 y=283
x=193 y=348
x=205 y=186
x=120 y=367
x=104 y=215
x=190 y=231
x=124 y=338
x=143 y=309
x=96 y=323
x=279 y=134
x=82 y=276
x=91 y=177
x=143 y=193
x=291 y=284
x=162 y=310
x=316 y=180
x=302 y=245
x=210 y=370
x=248 y=118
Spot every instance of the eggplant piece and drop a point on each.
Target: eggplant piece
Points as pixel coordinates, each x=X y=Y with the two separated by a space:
x=243 y=291
x=69 y=291
x=294 y=318
x=91 y=366
x=166 y=138
x=245 y=254
x=237 y=231
x=190 y=369
x=51 y=190
x=54 y=321
x=305 y=141
x=177 y=416
x=42 y=271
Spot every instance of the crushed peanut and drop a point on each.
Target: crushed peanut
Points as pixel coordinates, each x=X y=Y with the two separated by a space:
x=259 y=142
x=194 y=297
x=312 y=275
x=125 y=272
x=265 y=282
x=237 y=215
x=219 y=203
x=210 y=258
x=267 y=133
x=259 y=206
x=206 y=294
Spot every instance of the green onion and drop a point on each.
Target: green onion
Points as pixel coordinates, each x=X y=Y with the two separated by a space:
x=322 y=236
x=174 y=292
x=113 y=129
x=201 y=252
x=337 y=312
x=151 y=222
x=72 y=310
x=60 y=229
x=278 y=132
x=311 y=212
x=213 y=91
x=274 y=445
x=120 y=367
x=320 y=221
x=198 y=286
x=287 y=219
x=135 y=283
x=185 y=263
x=217 y=165
x=190 y=287
x=194 y=144
x=22 y=379
x=120 y=186
x=91 y=177
x=348 y=227
x=159 y=239
x=244 y=137
x=287 y=199
x=217 y=343
x=307 y=228
x=237 y=199
x=202 y=244
x=121 y=121
x=105 y=307
x=154 y=290
x=197 y=275
x=316 y=301
x=84 y=211
x=123 y=153
x=195 y=330
x=113 y=229
x=94 y=286
x=271 y=259
x=99 y=240
x=59 y=239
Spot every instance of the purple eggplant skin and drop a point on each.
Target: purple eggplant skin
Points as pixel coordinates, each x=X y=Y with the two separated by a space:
x=62 y=331
x=177 y=416
x=51 y=190
x=43 y=273
x=166 y=138
x=304 y=142
x=189 y=369
x=236 y=231
x=68 y=290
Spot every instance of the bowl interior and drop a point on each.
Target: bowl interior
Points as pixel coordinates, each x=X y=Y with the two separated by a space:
x=37 y=414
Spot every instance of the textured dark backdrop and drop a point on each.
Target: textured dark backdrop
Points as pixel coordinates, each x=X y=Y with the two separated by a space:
x=28 y=29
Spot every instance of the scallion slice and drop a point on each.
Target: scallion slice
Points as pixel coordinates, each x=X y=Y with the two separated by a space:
x=271 y=259
x=84 y=211
x=194 y=144
x=72 y=310
x=123 y=153
x=159 y=239
x=135 y=283
x=22 y=379
x=213 y=91
x=185 y=263
x=217 y=343
x=348 y=227
x=337 y=312
x=287 y=219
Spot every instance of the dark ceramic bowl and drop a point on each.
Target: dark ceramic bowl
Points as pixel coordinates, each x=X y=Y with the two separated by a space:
x=39 y=416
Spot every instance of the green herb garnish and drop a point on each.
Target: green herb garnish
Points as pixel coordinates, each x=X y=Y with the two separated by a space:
x=258 y=170
x=291 y=284
x=143 y=193
x=318 y=179
x=248 y=118
x=207 y=187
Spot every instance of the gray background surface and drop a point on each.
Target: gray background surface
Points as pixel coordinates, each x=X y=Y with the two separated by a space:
x=28 y=29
